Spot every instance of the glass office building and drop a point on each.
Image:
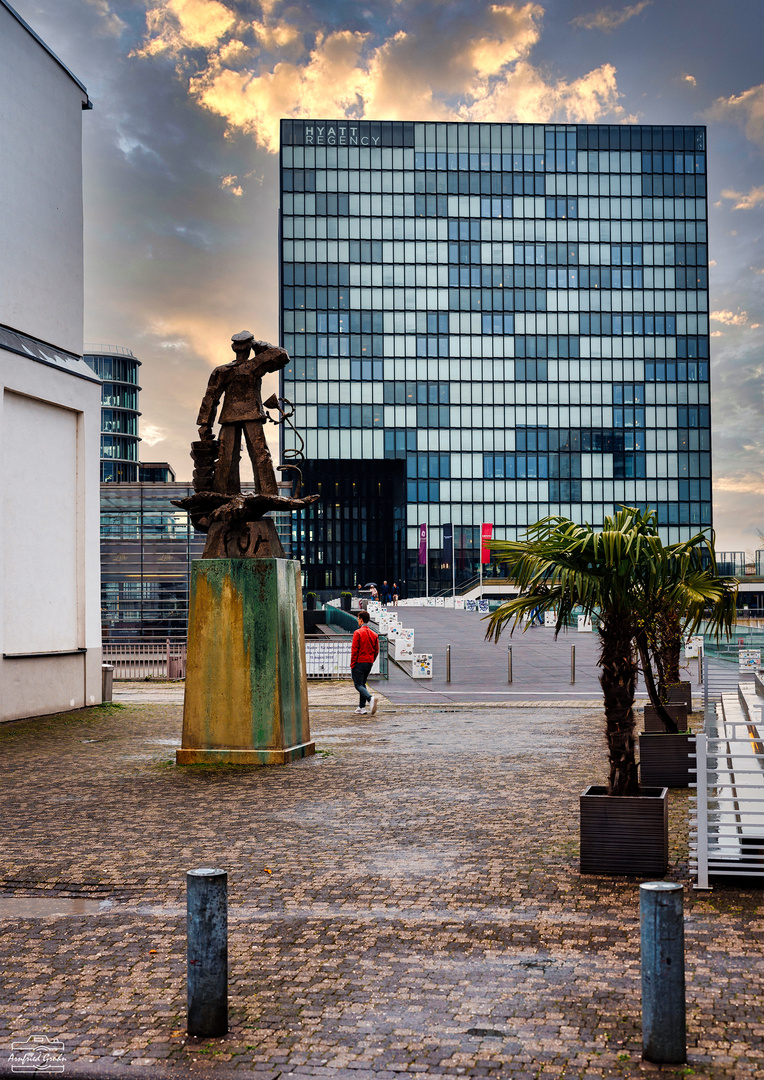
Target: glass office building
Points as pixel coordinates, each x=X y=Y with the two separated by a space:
x=118 y=368
x=147 y=546
x=491 y=323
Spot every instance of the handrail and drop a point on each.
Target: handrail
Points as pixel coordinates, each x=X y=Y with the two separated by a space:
x=471 y=583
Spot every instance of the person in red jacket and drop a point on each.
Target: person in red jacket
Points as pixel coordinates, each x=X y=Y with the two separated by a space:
x=363 y=653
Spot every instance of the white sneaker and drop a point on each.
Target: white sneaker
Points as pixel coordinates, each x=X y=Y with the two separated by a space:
x=373 y=704
x=360 y=710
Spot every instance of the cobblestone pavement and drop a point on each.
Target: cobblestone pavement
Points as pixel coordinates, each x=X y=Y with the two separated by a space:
x=406 y=902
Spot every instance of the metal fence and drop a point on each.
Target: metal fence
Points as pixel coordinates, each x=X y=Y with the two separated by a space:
x=146 y=659
x=338 y=617
x=741 y=637
x=718 y=679
x=329 y=658
x=727 y=822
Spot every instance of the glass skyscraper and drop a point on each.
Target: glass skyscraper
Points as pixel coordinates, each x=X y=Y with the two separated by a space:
x=118 y=368
x=491 y=323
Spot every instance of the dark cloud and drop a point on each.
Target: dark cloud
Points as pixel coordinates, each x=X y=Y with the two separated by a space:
x=608 y=19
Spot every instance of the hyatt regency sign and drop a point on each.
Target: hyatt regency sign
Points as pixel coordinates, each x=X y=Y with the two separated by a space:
x=346 y=133
x=340 y=135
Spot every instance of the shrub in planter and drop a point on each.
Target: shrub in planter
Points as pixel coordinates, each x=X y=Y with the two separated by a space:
x=310 y=601
x=680 y=694
x=346 y=600
x=677 y=712
x=664 y=758
x=626 y=576
x=624 y=836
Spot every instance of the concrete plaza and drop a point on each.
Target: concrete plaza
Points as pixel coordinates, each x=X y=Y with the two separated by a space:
x=541 y=664
x=407 y=902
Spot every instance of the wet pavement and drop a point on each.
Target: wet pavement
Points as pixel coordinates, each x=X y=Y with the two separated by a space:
x=407 y=902
x=541 y=664
x=541 y=668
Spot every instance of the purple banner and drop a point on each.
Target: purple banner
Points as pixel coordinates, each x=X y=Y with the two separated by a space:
x=422 y=545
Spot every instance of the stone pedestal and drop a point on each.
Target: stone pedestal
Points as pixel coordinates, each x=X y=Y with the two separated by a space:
x=246 y=699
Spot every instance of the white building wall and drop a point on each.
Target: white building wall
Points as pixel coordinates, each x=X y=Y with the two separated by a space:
x=50 y=401
x=40 y=190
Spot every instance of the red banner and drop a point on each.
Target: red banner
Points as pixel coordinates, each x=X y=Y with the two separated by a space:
x=486 y=531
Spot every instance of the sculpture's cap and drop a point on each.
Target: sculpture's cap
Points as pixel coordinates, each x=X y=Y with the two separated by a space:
x=244 y=336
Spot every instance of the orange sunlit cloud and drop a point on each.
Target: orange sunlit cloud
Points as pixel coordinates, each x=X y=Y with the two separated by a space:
x=409 y=74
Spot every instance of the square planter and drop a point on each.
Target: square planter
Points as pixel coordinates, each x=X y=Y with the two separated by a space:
x=681 y=694
x=664 y=759
x=677 y=712
x=624 y=835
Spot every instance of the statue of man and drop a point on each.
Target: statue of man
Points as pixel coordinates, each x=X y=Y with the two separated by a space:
x=241 y=383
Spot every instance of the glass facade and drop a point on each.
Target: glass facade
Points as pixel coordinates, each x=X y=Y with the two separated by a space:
x=155 y=472
x=147 y=545
x=118 y=369
x=491 y=322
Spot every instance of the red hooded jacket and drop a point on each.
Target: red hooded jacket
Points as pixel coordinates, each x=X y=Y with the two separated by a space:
x=365 y=648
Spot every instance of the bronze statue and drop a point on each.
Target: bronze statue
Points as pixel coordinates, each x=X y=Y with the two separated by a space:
x=234 y=522
x=240 y=384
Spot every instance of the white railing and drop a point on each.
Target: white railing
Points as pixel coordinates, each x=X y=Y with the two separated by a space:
x=146 y=659
x=330 y=659
x=720 y=678
x=727 y=823
x=327 y=659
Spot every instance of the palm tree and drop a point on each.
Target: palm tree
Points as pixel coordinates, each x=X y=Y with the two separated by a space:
x=624 y=575
x=664 y=636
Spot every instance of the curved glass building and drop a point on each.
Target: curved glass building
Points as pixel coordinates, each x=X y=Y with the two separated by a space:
x=118 y=368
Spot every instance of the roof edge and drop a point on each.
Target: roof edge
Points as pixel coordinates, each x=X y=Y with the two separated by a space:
x=87 y=103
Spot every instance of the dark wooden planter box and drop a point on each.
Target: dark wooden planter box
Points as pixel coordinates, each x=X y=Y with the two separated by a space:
x=681 y=694
x=626 y=835
x=345 y=602
x=678 y=714
x=664 y=759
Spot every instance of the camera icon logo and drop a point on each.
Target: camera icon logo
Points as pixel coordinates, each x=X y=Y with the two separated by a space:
x=37 y=1054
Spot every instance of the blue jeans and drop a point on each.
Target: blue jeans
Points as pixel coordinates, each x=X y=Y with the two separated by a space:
x=360 y=673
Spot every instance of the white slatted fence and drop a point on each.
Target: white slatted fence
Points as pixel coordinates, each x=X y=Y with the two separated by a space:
x=727 y=823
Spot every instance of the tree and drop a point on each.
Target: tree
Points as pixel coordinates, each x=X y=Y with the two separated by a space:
x=664 y=637
x=624 y=576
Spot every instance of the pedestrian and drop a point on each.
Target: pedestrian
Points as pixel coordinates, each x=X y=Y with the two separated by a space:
x=384 y=593
x=374 y=593
x=395 y=594
x=364 y=651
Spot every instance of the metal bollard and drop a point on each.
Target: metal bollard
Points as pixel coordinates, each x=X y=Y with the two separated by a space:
x=207 y=926
x=572 y=665
x=107 y=682
x=664 y=1028
x=448 y=663
x=509 y=663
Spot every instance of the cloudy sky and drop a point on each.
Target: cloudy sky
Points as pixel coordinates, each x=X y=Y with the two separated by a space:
x=181 y=165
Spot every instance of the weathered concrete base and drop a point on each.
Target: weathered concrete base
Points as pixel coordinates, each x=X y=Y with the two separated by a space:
x=244 y=757
x=246 y=700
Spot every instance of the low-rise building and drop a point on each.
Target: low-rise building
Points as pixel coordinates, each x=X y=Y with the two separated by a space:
x=50 y=401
